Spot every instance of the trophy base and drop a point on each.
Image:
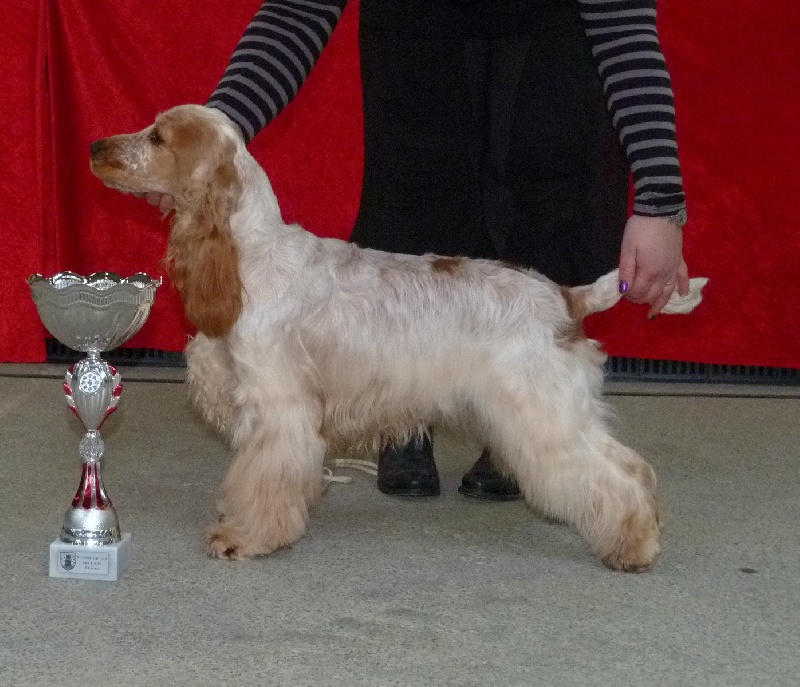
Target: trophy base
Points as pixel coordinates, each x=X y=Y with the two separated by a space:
x=80 y=562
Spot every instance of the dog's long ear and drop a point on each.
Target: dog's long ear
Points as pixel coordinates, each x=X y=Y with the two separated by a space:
x=203 y=260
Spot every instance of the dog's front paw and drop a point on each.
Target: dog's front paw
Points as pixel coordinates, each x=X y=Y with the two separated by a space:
x=227 y=542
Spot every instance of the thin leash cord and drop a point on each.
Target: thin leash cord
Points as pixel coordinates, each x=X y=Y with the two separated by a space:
x=367 y=466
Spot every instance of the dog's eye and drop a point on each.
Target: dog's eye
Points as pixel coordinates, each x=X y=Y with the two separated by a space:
x=155 y=138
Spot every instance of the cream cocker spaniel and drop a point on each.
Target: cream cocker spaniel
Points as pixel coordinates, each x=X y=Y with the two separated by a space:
x=303 y=342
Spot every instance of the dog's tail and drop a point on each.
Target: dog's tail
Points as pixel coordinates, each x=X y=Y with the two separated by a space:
x=604 y=294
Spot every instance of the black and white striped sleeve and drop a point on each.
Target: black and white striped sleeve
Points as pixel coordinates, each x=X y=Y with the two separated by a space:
x=272 y=60
x=637 y=85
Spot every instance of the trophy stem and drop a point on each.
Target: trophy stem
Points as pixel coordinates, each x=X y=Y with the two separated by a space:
x=91 y=519
x=91 y=492
x=93 y=388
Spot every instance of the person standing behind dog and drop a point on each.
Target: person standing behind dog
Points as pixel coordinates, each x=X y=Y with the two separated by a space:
x=492 y=129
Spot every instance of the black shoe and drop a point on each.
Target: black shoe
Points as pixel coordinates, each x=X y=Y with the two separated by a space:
x=408 y=469
x=483 y=481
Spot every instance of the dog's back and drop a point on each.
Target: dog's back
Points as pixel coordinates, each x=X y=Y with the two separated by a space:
x=391 y=340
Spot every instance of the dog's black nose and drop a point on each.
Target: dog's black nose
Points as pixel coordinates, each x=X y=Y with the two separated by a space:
x=97 y=147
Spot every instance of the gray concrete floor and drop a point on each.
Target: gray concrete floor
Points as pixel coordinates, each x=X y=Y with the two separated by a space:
x=385 y=591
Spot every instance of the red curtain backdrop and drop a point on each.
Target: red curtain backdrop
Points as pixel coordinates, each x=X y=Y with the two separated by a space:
x=77 y=70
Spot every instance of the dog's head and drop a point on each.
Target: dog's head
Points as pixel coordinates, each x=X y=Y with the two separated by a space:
x=184 y=152
x=189 y=152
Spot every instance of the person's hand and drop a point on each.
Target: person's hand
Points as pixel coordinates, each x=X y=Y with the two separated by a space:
x=164 y=201
x=651 y=264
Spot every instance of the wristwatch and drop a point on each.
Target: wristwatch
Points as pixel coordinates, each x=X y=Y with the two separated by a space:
x=679 y=218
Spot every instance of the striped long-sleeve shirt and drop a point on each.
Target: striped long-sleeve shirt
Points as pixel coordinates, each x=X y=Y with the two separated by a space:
x=286 y=37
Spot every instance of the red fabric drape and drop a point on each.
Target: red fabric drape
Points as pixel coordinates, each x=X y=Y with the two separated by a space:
x=78 y=70
x=21 y=191
x=737 y=89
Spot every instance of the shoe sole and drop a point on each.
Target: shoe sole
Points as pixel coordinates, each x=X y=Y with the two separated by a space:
x=488 y=496
x=407 y=492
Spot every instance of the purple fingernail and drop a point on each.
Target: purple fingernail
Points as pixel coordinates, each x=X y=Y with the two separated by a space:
x=623 y=287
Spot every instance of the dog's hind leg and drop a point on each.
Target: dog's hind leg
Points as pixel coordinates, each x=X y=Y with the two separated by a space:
x=276 y=473
x=629 y=544
x=577 y=474
x=211 y=381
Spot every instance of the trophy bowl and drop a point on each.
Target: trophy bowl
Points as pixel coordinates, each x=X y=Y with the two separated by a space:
x=92 y=314
x=95 y=313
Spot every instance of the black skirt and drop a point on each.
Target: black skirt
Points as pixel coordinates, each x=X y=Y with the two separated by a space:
x=490 y=139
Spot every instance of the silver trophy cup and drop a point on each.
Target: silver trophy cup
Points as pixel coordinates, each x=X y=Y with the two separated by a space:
x=92 y=314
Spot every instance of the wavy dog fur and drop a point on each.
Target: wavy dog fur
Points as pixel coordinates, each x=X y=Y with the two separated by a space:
x=304 y=341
